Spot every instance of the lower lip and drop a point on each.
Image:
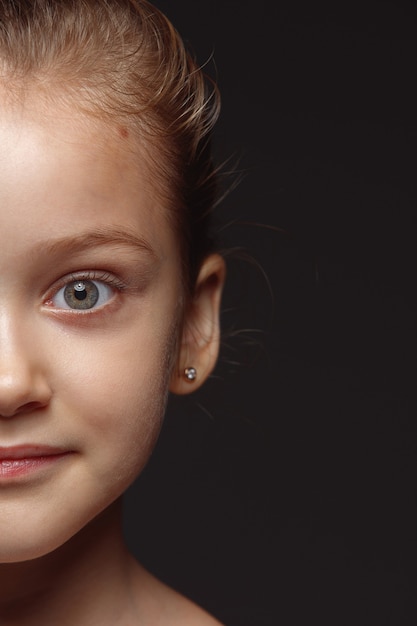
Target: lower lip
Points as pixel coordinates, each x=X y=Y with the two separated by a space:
x=15 y=468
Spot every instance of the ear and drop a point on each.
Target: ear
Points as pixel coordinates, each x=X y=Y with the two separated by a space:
x=200 y=342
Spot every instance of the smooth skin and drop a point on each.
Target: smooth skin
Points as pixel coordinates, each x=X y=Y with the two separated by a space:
x=78 y=212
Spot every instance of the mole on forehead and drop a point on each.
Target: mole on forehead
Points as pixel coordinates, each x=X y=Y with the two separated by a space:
x=123 y=132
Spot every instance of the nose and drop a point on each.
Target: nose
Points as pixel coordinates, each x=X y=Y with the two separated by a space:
x=23 y=384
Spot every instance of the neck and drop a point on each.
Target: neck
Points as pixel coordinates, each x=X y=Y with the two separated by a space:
x=87 y=580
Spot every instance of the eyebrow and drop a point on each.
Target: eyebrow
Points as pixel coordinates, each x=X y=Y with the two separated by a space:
x=93 y=239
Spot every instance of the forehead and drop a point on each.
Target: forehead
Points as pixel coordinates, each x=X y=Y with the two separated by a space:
x=58 y=130
x=62 y=170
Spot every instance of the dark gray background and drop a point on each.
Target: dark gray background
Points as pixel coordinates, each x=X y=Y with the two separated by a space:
x=285 y=492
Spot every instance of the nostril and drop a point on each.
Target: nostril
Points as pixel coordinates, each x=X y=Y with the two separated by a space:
x=31 y=406
x=28 y=407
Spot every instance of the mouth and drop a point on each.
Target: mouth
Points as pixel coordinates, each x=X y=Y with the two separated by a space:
x=19 y=461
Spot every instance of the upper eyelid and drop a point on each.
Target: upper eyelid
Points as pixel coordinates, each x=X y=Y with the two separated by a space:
x=107 y=278
x=95 y=275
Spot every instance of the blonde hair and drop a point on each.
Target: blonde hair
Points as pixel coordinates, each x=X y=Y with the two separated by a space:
x=122 y=60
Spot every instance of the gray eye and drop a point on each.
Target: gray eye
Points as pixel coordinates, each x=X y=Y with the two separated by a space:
x=81 y=295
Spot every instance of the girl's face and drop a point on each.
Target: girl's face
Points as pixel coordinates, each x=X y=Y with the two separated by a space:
x=89 y=307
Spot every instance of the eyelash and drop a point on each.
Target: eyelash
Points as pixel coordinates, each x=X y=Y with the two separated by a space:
x=104 y=278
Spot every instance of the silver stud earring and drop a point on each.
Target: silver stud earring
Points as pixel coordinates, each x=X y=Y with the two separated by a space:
x=190 y=373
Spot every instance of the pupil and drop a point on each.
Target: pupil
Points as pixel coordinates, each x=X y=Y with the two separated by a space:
x=80 y=295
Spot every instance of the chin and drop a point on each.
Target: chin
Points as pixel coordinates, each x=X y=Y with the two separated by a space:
x=36 y=541
x=23 y=551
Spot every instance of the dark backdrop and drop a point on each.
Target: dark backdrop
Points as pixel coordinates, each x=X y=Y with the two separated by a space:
x=285 y=492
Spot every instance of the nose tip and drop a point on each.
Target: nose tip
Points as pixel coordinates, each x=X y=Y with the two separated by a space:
x=22 y=394
x=23 y=388
x=23 y=384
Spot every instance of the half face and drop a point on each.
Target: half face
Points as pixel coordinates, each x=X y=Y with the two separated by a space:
x=90 y=298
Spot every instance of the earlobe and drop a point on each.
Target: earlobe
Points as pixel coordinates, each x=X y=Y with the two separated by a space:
x=200 y=342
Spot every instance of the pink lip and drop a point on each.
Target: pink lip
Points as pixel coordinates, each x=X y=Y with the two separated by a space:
x=22 y=460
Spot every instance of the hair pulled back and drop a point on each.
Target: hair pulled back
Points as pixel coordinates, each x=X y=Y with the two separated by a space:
x=123 y=61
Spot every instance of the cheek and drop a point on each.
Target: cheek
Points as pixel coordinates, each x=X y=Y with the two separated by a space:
x=116 y=394
x=108 y=405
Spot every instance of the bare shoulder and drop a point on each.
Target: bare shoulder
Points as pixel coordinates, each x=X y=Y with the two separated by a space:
x=165 y=606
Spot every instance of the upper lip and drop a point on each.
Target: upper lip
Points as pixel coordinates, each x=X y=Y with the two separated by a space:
x=29 y=451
